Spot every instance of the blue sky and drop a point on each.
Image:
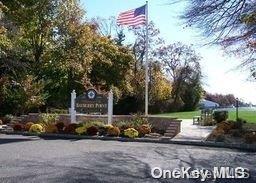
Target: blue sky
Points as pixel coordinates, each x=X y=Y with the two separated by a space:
x=218 y=69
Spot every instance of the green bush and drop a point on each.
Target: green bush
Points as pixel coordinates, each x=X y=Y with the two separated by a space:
x=7 y=118
x=95 y=123
x=123 y=125
x=58 y=111
x=220 y=116
x=138 y=121
x=47 y=118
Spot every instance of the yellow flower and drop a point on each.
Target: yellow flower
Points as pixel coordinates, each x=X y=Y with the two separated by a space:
x=81 y=130
x=131 y=133
x=36 y=128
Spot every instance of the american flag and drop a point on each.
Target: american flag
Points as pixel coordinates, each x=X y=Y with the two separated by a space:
x=133 y=17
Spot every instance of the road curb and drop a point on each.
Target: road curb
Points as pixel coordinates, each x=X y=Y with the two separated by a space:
x=164 y=140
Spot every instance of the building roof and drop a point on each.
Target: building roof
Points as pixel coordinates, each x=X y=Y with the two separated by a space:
x=208 y=104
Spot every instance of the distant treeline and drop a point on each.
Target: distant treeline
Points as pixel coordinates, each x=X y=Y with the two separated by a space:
x=225 y=100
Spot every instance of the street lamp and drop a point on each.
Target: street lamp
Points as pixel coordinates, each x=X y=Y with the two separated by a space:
x=237 y=105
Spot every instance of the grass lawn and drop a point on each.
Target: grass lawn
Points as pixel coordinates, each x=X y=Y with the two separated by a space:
x=249 y=116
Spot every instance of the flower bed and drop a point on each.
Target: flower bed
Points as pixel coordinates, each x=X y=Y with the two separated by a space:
x=234 y=132
x=135 y=128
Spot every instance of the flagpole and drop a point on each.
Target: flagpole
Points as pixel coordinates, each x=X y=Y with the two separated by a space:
x=146 y=64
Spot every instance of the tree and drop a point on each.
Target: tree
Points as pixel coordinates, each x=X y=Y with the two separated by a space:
x=109 y=28
x=159 y=86
x=61 y=50
x=154 y=40
x=222 y=100
x=230 y=23
x=181 y=63
x=192 y=92
x=160 y=90
x=111 y=64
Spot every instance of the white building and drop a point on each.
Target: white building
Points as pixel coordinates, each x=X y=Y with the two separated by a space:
x=207 y=104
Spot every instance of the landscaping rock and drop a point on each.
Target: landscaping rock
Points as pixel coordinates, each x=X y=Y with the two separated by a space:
x=5 y=128
x=153 y=135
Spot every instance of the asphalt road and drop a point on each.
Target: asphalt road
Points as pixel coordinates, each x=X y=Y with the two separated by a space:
x=30 y=159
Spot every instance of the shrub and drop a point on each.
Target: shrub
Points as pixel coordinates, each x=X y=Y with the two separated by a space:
x=58 y=111
x=46 y=118
x=226 y=126
x=138 y=121
x=36 y=128
x=239 y=123
x=95 y=123
x=51 y=128
x=60 y=126
x=92 y=130
x=28 y=125
x=215 y=133
x=250 y=138
x=7 y=118
x=71 y=128
x=220 y=138
x=131 y=133
x=123 y=125
x=236 y=133
x=113 y=131
x=144 y=129
x=42 y=124
x=18 y=127
x=81 y=130
x=103 y=130
x=220 y=116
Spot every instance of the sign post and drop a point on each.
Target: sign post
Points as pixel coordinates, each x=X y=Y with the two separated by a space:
x=72 y=109
x=237 y=105
x=110 y=107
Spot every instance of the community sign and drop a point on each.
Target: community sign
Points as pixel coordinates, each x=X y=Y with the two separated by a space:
x=91 y=102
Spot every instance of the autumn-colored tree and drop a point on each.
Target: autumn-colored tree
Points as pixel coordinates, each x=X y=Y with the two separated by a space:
x=182 y=65
x=160 y=90
x=61 y=49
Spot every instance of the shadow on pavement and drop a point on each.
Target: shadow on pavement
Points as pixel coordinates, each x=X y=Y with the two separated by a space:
x=14 y=140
